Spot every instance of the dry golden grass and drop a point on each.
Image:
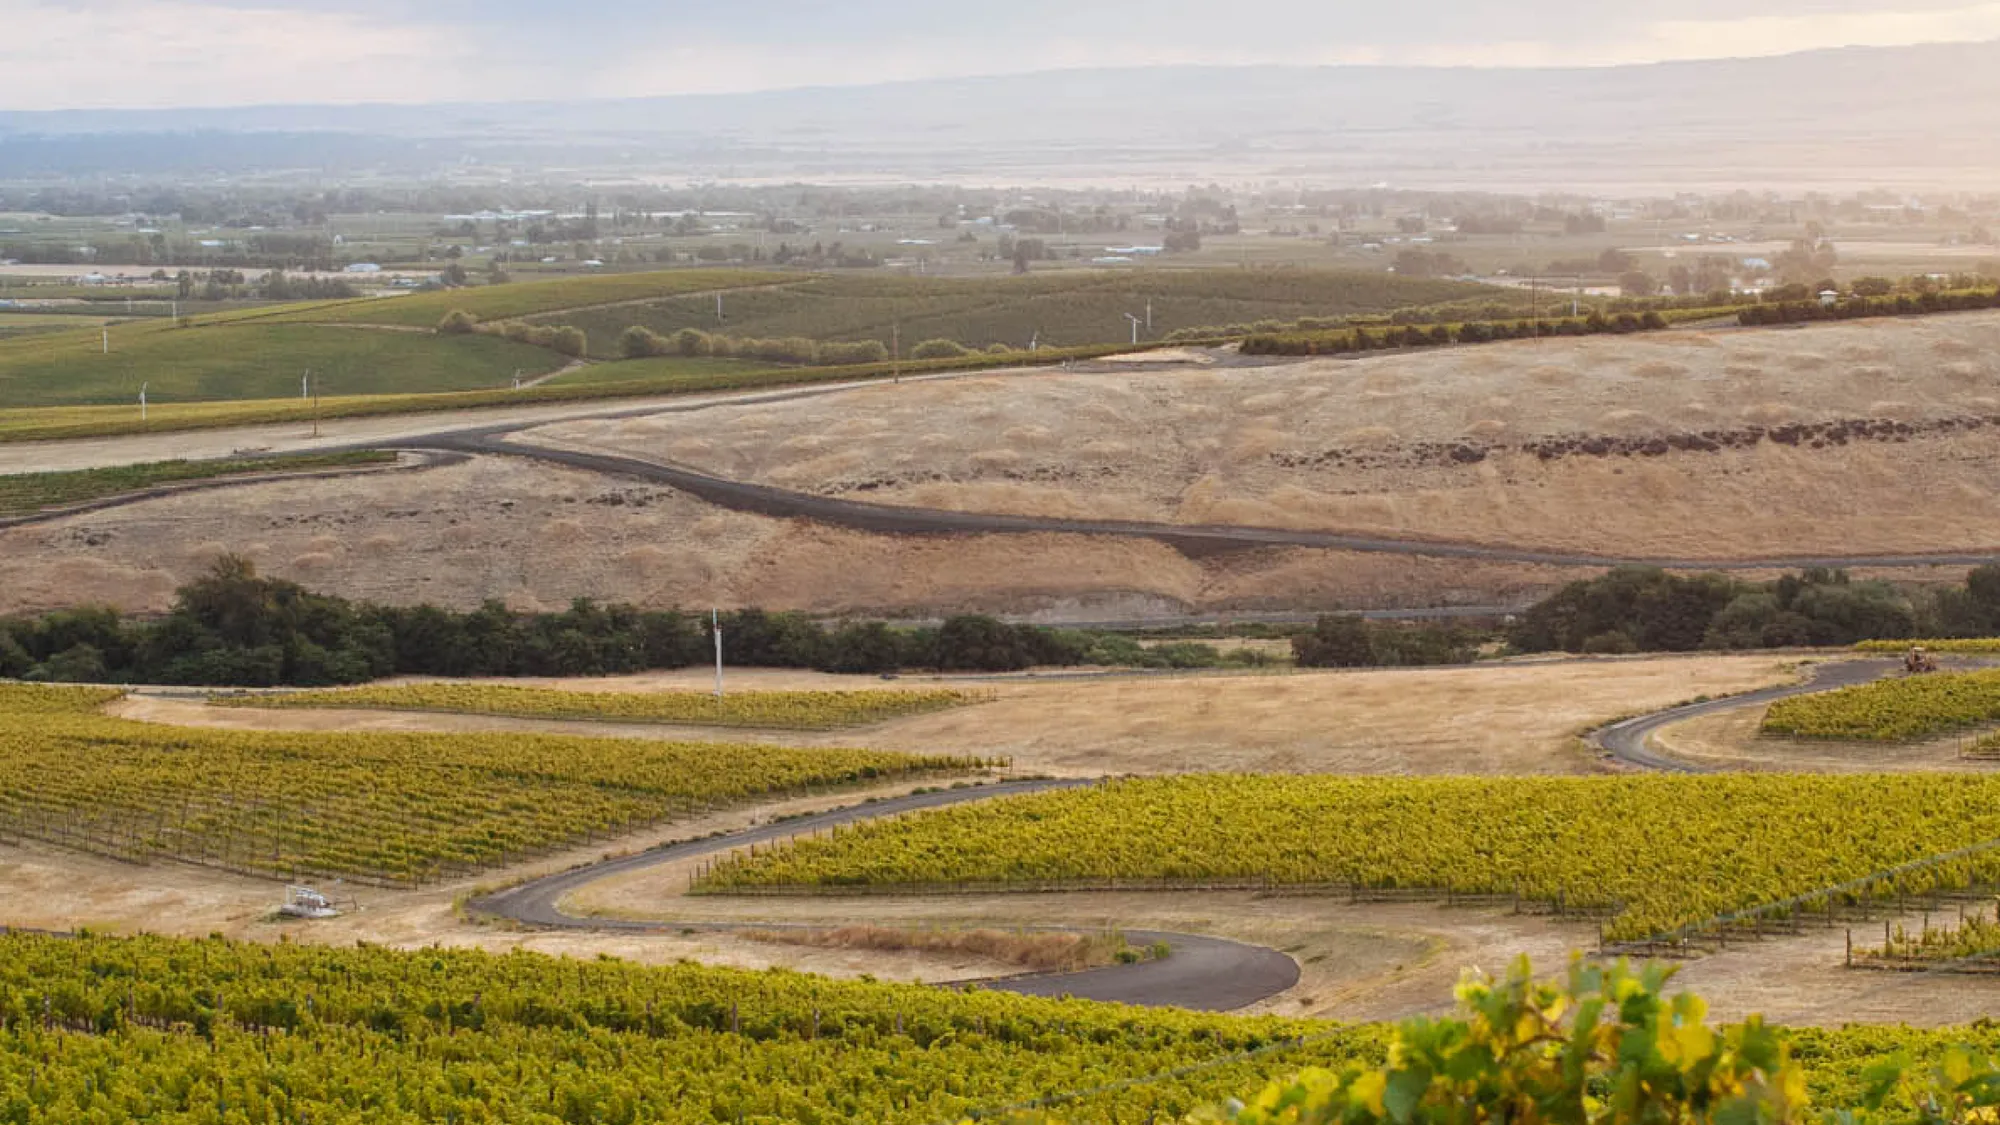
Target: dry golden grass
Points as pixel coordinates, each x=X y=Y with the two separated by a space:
x=1520 y=718
x=1194 y=443
x=536 y=537
x=1507 y=718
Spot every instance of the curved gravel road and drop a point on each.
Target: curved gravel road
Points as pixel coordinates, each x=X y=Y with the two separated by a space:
x=1202 y=973
x=1630 y=740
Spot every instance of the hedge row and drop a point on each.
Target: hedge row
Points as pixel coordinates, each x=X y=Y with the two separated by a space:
x=1854 y=308
x=1438 y=335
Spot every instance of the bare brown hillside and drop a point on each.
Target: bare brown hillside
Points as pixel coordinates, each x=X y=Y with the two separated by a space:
x=536 y=536
x=1875 y=436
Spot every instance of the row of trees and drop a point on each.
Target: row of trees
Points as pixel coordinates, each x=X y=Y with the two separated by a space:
x=234 y=627
x=1867 y=305
x=638 y=342
x=1437 y=335
x=1644 y=609
x=564 y=338
x=1347 y=641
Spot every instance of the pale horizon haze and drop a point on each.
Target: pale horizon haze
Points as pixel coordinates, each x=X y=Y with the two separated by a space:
x=138 y=54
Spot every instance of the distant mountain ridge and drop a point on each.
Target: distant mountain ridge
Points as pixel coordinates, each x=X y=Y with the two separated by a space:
x=1923 y=114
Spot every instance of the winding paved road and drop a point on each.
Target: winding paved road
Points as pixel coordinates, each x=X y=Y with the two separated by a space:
x=1195 y=539
x=490 y=436
x=1202 y=973
x=1630 y=741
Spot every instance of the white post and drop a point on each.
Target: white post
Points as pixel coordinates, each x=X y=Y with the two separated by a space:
x=107 y=339
x=176 y=304
x=142 y=400
x=1149 y=316
x=305 y=385
x=715 y=626
x=718 y=308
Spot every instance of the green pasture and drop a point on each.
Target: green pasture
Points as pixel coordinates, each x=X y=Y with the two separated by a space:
x=529 y=298
x=1057 y=308
x=252 y=361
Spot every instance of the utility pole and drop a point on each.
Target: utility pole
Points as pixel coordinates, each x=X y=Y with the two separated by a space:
x=1135 y=328
x=715 y=626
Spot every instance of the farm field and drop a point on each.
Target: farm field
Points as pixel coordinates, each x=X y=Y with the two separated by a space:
x=1895 y=710
x=1061 y=309
x=391 y=808
x=252 y=360
x=528 y=1032
x=1486 y=720
x=530 y=298
x=660 y=374
x=793 y=710
x=1863 y=436
x=1736 y=740
x=1742 y=840
x=31 y=492
x=765 y=1046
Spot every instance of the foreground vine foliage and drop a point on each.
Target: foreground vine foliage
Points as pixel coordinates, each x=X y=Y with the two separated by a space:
x=175 y=1032
x=1658 y=852
x=774 y=710
x=1607 y=1046
x=401 y=808
x=212 y=1032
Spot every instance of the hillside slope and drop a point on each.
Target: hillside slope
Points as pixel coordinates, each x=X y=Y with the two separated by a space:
x=1881 y=436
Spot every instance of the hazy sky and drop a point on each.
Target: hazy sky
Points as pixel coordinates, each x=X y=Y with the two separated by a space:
x=90 y=53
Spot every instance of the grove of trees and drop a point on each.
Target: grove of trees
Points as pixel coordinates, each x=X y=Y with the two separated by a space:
x=1645 y=609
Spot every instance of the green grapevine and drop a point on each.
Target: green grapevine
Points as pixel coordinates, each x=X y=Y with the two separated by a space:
x=392 y=807
x=775 y=710
x=1659 y=852
x=1890 y=710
